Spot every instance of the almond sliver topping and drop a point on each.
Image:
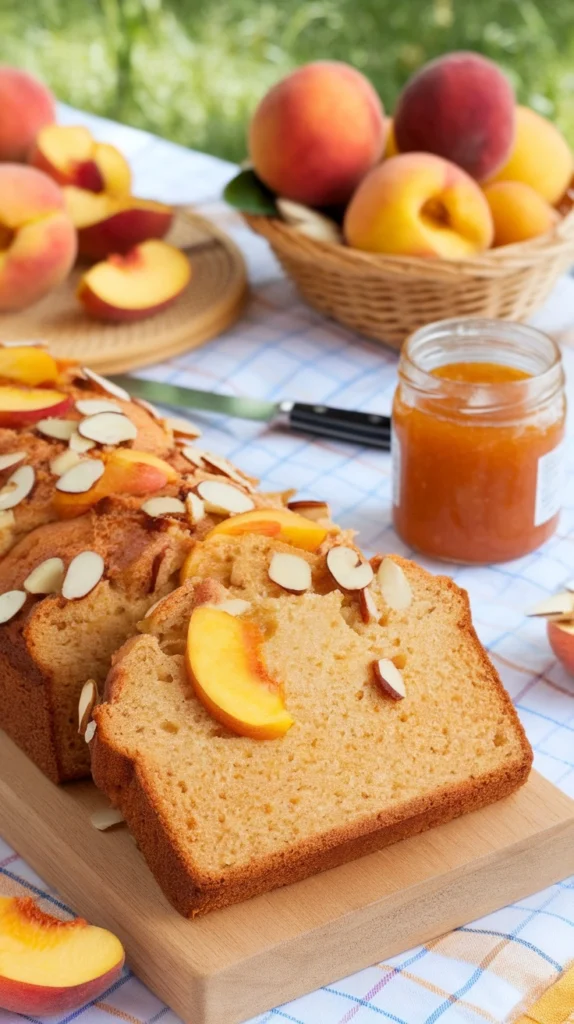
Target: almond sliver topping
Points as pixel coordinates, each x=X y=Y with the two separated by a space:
x=92 y=406
x=80 y=444
x=224 y=499
x=59 y=430
x=10 y=604
x=63 y=462
x=17 y=487
x=106 y=818
x=143 y=404
x=368 y=606
x=389 y=679
x=313 y=510
x=291 y=572
x=163 y=506
x=46 y=578
x=194 y=456
x=347 y=570
x=11 y=459
x=181 y=427
x=221 y=465
x=394 y=585
x=105 y=385
x=81 y=477
x=195 y=508
x=86 y=704
x=108 y=428
x=90 y=732
x=84 y=573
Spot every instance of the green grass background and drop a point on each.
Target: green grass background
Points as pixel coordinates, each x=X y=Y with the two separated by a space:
x=193 y=70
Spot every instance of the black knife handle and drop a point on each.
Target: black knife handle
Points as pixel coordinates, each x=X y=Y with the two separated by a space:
x=340 y=424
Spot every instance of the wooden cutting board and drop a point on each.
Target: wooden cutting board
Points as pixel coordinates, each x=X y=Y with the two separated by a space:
x=235 y=963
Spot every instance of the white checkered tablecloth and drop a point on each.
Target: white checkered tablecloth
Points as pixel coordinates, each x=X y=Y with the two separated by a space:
x=490 y=970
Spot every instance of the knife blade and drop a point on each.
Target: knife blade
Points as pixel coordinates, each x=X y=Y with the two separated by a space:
x=363 y=428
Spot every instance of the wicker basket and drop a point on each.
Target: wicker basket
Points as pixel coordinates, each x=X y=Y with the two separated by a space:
x=388 y=297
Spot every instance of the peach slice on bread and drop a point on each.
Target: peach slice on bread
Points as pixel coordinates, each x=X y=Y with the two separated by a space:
x=126 y=471
x=114 y=224
x=144 y=281
x=20 y=407
x=49 y=966
x=225 y=667
x=26 y=364
x=71 y=156
x=274 y=522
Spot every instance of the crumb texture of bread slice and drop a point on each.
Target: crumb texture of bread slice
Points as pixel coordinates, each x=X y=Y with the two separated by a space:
x=221 y=817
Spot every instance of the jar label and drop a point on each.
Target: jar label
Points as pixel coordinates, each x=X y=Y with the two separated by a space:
x=396 y=467
x=549 y=485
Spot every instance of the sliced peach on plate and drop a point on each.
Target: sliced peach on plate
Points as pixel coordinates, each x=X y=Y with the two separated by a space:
x=274 y=522
x=227 y=672
x=126 y=471
x=144 y=281
x=114 y=224
x=28 y=365
x=48 y=966
x=20 y=407
x=71 y=156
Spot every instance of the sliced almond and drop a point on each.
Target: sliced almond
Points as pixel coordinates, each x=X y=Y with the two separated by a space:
x=221 y=465
x=108 y=428
x=10 y=604
x=59 y=430
x=559 y=606
x=86 y=704
x=152 y=608
x=63 y=462
x=224 y=499
x=90 y=732
x=368 y=606
x=11 y=459
x=389 y=679
x=143 y=404
x=309 y=222
x=105 y=385
x=314 y=510
x=194 y=508
x=194 y=456
x=347 y=569
x=46 y=578
x=291 y=572
x=80 y=444
x=7 y=520
x=163 y=507
x=81 y=477
x=394 y=585
x=17 y=487
x=92 y=406
x=232 y=605
x=84 y=573
x=181 y=427
x=106 y=818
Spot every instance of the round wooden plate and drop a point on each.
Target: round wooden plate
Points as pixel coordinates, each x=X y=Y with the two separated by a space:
x=212 y=301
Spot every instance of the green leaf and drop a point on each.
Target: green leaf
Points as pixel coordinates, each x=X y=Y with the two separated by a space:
x=248 y=194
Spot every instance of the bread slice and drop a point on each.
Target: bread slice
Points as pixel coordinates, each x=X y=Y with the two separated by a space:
x=221 y=817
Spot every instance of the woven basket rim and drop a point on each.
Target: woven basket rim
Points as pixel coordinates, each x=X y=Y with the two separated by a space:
x=492 y=263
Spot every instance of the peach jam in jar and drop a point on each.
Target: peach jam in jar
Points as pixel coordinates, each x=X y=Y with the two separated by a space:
x=478 y=431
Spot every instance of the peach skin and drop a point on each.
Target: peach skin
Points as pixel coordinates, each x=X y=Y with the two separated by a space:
x=71 y=156
x=26 y=107
x=540 y=156
x=114 y=224
x=561 y=638
x=518 y=212
x=126 y=471
x=316 y=134
x=37 y=237
x=417 y=204
x=460 y=107
x=143 y=282
x=49 y=966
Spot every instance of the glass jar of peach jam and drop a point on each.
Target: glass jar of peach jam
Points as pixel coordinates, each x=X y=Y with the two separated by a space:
x=478 y=429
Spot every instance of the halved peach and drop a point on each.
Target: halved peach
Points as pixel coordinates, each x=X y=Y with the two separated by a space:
x=127 y=471
x=48 y=966
x=561 y=637
x=114 y=224
x=225 y=666
x=20 y=407
x=274 y=522
x=28 y=365
x=71 y=156
x=144 y=281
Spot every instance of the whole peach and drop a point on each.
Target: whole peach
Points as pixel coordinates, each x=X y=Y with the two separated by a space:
x=540 y=156
x=26 y=105
x=37 y=238
x=518 y=212
x=417 y=204
x=315 y=134
x=461 y=107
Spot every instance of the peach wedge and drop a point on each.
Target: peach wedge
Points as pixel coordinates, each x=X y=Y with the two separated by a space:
x=274 y=522
x=113 y=224
x=21 y=407
x=25 y=364
x=127 y=471
x=227 y=672
x=48 y=966
x=71 y=156
x=143 y=282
